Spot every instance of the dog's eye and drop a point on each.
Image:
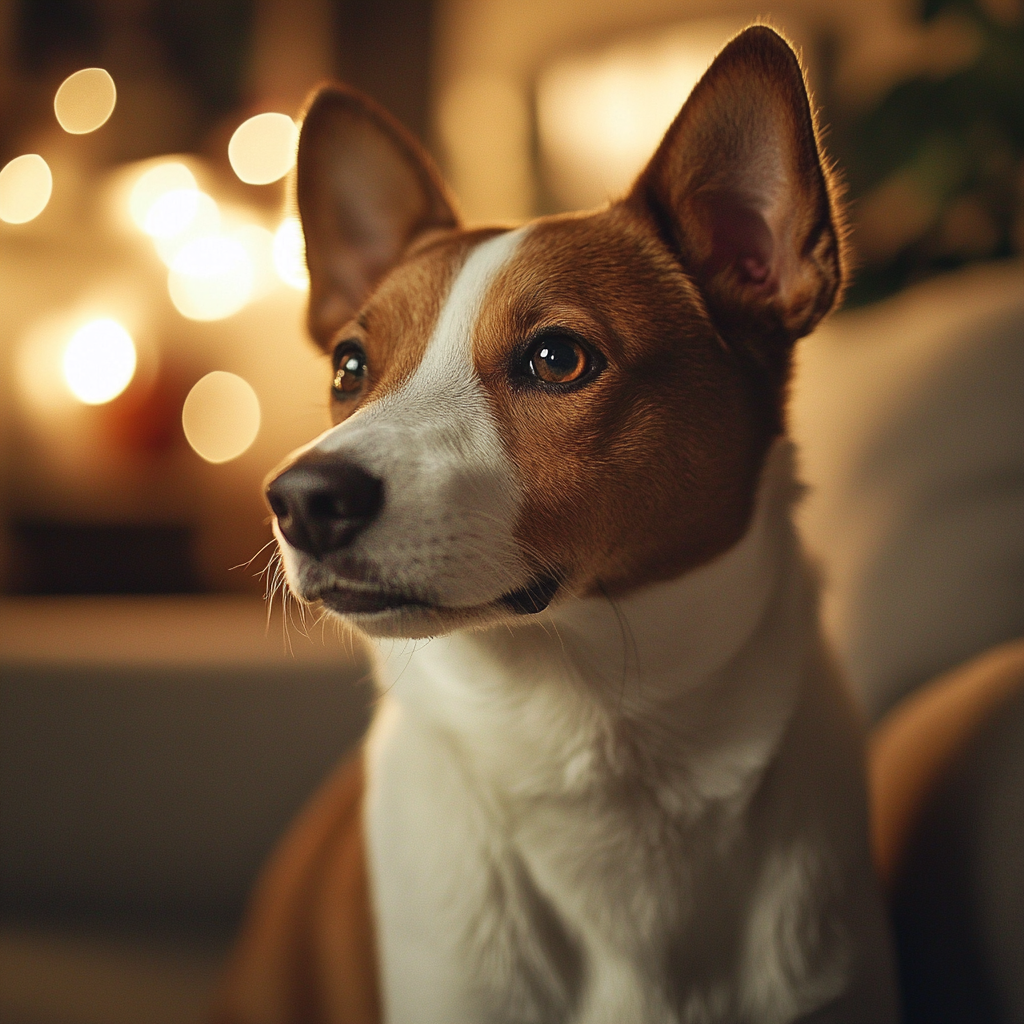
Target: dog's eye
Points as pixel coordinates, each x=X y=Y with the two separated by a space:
x=558 y=359
x=349 y=369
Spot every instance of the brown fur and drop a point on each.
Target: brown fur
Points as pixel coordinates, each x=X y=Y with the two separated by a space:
x=366 y=190
x=397 y=320
x=753 y=98
x=307 y=952
x=693 y=288
x=654 y=464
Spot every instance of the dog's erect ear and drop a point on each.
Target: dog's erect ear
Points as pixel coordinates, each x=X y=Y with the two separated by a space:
x=366 y=188
x=738 y=188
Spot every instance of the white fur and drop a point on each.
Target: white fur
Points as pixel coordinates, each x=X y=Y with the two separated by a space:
x=630 y=812
x=642 y=811
x=451 y=494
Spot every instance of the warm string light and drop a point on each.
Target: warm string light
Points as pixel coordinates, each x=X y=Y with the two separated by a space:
x=216 y=264
x=25 y=187
x=64 y=357
x=99 y=361
x=155 y=183
x=290 y=254
x=211 y=278
x=215 y=267
x=221 y=416
x=85 y=101
x=198 y=218
x=262 y=149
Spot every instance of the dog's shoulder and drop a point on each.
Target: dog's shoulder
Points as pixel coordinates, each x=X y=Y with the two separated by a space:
x=307 y=949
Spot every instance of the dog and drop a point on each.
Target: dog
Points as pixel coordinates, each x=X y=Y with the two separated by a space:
x=613 y=775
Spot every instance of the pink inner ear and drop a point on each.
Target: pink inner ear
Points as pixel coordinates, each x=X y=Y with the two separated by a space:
x=740 y=239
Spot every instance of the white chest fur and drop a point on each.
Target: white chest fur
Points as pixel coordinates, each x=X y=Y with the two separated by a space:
x=619 y=812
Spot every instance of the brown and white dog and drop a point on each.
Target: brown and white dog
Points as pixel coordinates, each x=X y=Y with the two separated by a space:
x=622 y=782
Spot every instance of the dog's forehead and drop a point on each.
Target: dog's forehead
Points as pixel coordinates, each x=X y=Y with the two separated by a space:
x=425 y=309
x=606 y=276
x=419 y=331
x=477 y=293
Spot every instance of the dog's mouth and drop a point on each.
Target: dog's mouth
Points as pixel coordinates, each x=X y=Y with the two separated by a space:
x=531 y=599
x=360 y=599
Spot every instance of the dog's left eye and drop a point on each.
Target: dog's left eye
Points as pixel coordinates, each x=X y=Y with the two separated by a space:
x=556 y=358
x=349 y=369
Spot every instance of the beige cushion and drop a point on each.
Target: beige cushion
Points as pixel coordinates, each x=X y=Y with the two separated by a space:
x=910 y=419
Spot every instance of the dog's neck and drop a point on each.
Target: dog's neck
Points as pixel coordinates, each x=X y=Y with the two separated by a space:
x=706 y=664
x=670 y=638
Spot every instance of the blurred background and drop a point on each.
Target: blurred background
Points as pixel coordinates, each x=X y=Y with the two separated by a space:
x=157 y=727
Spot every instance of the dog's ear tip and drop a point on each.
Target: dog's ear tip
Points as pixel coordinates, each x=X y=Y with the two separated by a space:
x=764 y=34
x=331 y=99
x=765 y=40
x=739 y=188
x=322 y=94
x=763 y=48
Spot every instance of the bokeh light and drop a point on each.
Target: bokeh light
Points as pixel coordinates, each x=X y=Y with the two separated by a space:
x=155 y=183
x=262 y=149
x=221 y=416
x=172 y=213
x=211 y=278
x=204 y=222
x=259 y=244
x=38 y=366
x=25 y=187
x=290 y=254
x=486 y=125
x=99 y=361
x=85 y=101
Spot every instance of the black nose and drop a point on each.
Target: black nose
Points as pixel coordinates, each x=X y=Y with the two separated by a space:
x=322 y=502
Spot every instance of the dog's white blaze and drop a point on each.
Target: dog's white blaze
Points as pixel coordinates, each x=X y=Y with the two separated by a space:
x=449 y=357
x=451 y=493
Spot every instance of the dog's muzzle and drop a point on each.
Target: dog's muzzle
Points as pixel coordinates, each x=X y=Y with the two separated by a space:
x=323 y=503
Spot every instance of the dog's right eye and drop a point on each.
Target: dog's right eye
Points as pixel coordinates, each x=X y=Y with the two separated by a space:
x=349 y=370
x=558 y=360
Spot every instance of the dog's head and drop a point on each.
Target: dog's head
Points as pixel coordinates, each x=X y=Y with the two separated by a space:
x=578 y=406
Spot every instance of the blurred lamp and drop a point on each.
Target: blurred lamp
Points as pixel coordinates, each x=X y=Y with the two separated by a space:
x=290 y=254
x=486 y=126
x=99 y=361
x=211 y=278
x=85 y=101
x=25 y=187
x=600 y=116
x=221 y=416
x=262 y=149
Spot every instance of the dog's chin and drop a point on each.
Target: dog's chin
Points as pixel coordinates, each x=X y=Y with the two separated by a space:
x=389 y=614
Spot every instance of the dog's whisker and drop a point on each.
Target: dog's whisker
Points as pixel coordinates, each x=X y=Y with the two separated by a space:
x=273 y=574
x=245 y=565
x=285 y=594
